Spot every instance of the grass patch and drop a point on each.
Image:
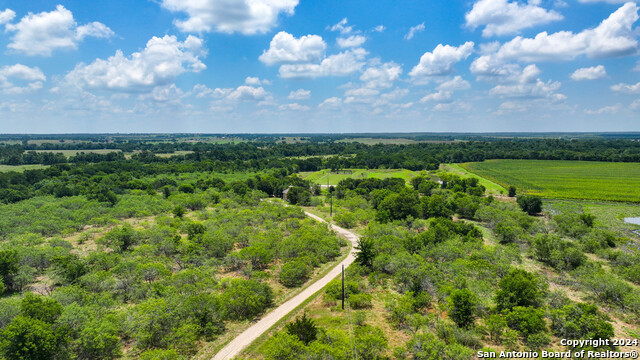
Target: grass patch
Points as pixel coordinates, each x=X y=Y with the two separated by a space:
x=21 y=168
x=564 y=179
x=609 y=215
x=321 y=177
x=492 y=188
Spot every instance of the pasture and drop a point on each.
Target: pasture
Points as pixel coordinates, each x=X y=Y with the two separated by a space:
x=492 y=188
x=320 y=177
x=21 y=168
x=588 y=180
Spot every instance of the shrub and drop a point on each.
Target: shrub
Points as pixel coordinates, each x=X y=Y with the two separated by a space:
x=580 y=321
x=283 y=346
x=245 y=299
x=27 y=338
x=526 y=320
x=44 y=309
x=334 y=288
x=360 y=301
x=519 y=288
x=530 y=204
x=346 y=219
x=463 y=307
x=294 y=273
x=303 y=328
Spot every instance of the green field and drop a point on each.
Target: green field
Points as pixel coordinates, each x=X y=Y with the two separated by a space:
x=564 y=179
x=320 y=177
x=492 y=188
x=69 y=153
x=21 y=168
x=391 y=141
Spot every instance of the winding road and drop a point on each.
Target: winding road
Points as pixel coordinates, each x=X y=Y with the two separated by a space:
x=235 y=347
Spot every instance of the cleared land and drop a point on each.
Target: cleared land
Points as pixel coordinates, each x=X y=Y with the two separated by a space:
x=491 y=187
x=564 y=179
x=320 y=177
x=21 y=168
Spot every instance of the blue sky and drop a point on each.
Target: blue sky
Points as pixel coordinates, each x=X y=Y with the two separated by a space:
x=261 y=66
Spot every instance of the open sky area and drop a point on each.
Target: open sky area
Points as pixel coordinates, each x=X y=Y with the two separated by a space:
x=319 y=66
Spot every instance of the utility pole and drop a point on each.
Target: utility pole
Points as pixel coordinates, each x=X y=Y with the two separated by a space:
x=342 y=286
x=330 y=192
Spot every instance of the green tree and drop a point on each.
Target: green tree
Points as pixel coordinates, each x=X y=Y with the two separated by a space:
x=26 y=338
x=40 y=308
x=178 y=211
x=98 y=340
x=370 y=342
x=294 y=273
x=245 y=299
x=512 y=191
x=530 y=204
x=581 y=321
x=303 y=328
x=519 y=288
x=9 y=265
x=366 y=252
x=463 y=307
x=526 y=320
x=284 y=346
x=150 y=323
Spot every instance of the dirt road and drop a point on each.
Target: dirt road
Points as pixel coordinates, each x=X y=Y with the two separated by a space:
x=243 y=340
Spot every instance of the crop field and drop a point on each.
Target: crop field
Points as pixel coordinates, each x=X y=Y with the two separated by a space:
x=320 y=177
x=21 y=168
x=564 y=179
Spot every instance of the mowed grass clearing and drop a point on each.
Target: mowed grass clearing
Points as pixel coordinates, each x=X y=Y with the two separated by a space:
x=21 y=168
x=589 y=180
x=492 y=188
x=320 y=177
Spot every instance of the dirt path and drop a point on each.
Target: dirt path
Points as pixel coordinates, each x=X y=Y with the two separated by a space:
x=243 y=340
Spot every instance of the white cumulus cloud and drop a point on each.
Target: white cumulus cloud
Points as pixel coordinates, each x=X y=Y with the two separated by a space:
x=46 y=32
x=33 y=78
x=342 y=27
x=627 y=88
x=589 y=73
x=6 y=16
x=159 y=64
x=604 y=1
x=382 y=76
x=413 y=31
x=340 y=64
x=229 y=16
x=441 y=60
x=351 y=41
x=457 y=83
x=501 y=17
x=285 y=48
x=300 y=94
x=248 y=93
x=613 y=37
